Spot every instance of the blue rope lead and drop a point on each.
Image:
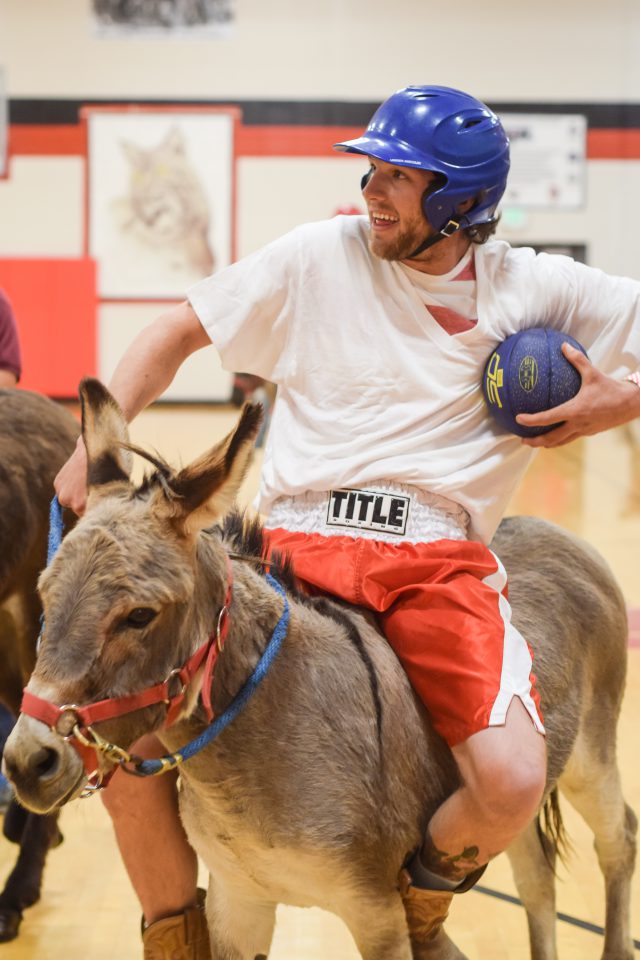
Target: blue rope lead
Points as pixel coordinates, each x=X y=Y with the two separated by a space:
x=148 y=768
x=55 y=529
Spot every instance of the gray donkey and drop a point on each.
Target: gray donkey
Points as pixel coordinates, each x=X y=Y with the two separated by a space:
x=36 y=437
x=323 y=783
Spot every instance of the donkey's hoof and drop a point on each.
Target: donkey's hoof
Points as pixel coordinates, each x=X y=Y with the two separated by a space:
x=10 y=921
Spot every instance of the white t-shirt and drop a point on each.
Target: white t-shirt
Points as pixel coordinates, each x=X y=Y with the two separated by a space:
x=371 y=385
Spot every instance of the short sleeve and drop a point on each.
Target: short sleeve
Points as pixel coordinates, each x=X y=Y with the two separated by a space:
x=248 y=307
x=600 y=310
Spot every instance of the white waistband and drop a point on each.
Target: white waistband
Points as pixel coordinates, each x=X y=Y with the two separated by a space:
x=382 y=510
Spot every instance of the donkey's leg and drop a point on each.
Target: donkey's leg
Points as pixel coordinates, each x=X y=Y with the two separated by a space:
x=15 y=821
x=391 y=946
x=22 y=888
x=380 y=931
x=240 y=928
x=591 y=783
x=399 y=948
x=379 y=927
x=532 y=859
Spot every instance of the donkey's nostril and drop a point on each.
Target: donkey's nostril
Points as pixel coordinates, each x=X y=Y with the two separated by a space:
x=44 y=762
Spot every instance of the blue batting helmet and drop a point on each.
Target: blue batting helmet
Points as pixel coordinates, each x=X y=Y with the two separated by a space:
x=448 y=132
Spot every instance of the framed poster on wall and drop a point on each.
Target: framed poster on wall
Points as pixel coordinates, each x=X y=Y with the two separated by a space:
x=160 y=190
x=548 y=160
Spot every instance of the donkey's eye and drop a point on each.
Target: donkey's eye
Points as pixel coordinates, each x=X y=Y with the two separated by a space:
x=139 y=617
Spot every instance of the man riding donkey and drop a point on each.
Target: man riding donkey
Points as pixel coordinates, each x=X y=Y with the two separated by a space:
x=383 y=477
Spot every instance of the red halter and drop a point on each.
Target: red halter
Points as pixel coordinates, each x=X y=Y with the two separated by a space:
x=65 y=720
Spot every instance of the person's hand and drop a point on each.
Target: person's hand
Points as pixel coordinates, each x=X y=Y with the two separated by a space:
x=601 y=403
x=8 y=379
x=71 y=483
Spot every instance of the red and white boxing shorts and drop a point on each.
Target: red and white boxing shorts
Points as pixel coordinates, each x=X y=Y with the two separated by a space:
x=442 y=605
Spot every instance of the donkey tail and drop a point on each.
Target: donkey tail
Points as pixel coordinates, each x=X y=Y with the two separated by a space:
x=553 y=837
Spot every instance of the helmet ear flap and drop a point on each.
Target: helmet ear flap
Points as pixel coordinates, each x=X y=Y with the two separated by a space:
x=366 y=178
x=435 y=211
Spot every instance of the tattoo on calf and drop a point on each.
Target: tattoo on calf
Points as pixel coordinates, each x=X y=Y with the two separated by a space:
x=452 y=866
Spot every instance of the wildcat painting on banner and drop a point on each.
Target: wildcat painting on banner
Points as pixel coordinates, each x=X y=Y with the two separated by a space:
x=165 y=213
x=160 y=188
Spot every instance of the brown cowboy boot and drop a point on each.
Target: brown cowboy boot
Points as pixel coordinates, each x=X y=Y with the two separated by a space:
x=184 y=936
x=426 y=912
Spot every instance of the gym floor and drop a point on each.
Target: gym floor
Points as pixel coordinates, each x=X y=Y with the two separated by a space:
x=88 y=908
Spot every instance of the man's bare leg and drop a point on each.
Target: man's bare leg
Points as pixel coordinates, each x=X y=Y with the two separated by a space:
x=503 y=773
x=161 y=864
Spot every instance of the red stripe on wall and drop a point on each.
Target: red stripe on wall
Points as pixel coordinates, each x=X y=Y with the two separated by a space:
x=280 y=141
x=53 y=140
x=286 y=141
x=613 y=144
x=259 y=141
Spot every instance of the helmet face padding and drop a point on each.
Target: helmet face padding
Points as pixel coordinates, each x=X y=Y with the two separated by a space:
x=448 y=132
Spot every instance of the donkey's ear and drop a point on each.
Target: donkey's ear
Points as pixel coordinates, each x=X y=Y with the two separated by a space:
x=104 y=430
x=206 y=490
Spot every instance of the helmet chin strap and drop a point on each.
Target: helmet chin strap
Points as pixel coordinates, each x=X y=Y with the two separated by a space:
x=447 y=231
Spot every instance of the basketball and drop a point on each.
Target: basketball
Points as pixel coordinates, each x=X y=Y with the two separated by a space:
x=528 y=373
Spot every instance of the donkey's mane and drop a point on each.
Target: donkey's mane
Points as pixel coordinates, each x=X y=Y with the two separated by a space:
x=245 y=537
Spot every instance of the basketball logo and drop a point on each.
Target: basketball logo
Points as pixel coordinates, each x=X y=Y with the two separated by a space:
x=528 y=373
x=494 y=379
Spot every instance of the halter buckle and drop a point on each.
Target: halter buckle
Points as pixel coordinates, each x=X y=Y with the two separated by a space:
x=175 y=675
x=112 y=752
x=67 y=710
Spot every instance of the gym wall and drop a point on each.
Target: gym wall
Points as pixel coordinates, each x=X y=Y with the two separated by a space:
x=302 y=76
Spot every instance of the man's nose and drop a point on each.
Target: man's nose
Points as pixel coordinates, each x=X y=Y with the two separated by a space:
x=371 y=184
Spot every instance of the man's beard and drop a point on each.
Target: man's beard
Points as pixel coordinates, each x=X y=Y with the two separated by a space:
x=402 y=245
